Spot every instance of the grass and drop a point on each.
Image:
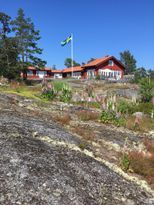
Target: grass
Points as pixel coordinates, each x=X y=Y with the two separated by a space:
x=140 y=162
x=63 y=119
x=86 y=134
x=86 y=115
x=143 y=165
x=146 y=124
x=23 y=90
x=88 y=104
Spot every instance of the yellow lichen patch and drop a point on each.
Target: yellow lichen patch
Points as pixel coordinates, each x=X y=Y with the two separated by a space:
x=111 y=166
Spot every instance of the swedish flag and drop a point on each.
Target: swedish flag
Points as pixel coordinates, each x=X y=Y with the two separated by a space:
x=66 y=41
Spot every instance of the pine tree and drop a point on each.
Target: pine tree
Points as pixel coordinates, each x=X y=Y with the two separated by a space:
x=8 y=50
x=128 y=61
x=27 y=38
x=68 y=63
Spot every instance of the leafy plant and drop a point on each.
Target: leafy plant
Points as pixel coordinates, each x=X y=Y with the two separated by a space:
x=90 y=90
x=125 y=162
x=66 y=93
x=48 y=94
x=58 y=86
x=109 y=116
x=146 y=88
x=126 y=108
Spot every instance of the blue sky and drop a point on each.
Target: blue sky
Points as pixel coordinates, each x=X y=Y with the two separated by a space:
x=100 y=27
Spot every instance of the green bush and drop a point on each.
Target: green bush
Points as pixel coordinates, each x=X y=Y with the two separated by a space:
x=126 y=108
x=48 y=94
x=129 y=108
x=125 y=162
x=58 y=85
x=144 y=107
x=146 y=88
x=111 y=117
x=66 y=94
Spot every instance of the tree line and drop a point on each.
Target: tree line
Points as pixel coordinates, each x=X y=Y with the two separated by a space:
x=18 y=45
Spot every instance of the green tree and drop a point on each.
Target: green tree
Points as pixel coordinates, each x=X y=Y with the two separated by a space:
x=146 y=89
x=68 y=63
x=27 y=38
x=151 y=74
x=140 y=73
x=128 y=61
x=8 y=49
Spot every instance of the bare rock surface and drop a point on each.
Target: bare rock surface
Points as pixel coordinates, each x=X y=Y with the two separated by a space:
x=36 y=172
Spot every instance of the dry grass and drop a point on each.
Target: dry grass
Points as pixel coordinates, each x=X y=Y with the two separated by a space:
x=85 y=133
x=143 y=163
x=63 y=119
x=86 y=115
x=149 y=144
x=146 y=124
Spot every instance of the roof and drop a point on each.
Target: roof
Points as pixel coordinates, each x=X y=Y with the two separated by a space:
x=31 y=68
x=34 y=68
x=56 y=71
x=99 y=61
x=47 y=69
x=75 y=69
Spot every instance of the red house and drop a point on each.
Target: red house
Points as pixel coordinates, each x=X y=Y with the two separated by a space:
x=56 y=73
x=107 y=67
x=75 y=72
x=34 y=73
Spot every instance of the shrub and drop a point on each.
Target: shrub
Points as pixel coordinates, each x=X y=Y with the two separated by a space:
x=58 y=85
x=90 y=90
x=82 y=146
x=63 y=119
x=149 y=145
x=124 y=107
x=66 y=93
x=86 y=134
x=125 y=162
x=48 y=93
x=145 y=107
x=146 y=89
x=129 y=108
x=142 y=164
x=111 y=117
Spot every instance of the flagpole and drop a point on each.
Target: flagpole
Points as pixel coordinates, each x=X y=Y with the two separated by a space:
x=72 y=53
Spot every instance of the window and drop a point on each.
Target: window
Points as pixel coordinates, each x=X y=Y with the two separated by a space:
x=29 y=72
x=110 y=63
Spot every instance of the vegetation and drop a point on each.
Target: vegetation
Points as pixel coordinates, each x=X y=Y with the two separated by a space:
x=8 y=50
x=128 y=61
x=125 y=162
x=139 y=74
x=140 y=162
x=146 y=88
x=68 y=63
x=66 y=93
x=110 y=116
x=18 y=45
x=85 y=115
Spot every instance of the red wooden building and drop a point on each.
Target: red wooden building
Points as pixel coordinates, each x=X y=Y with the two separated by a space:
x=75 y=72
x=34 y=73
x=107 y=67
